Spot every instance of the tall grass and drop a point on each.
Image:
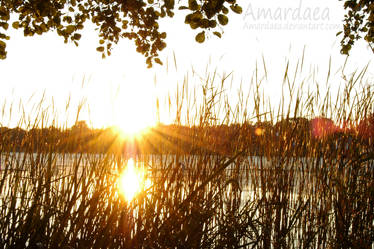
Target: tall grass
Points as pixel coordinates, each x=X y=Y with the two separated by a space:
x=248 y=175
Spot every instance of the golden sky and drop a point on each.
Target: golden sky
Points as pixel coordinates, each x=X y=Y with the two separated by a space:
x=121 y=88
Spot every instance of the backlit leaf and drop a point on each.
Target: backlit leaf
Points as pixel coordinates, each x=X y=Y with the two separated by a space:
x=200 y=37
x=15 y=25
x=236 y=8
x=194 y=25
x=77 y=36
x=70 y=28
x=222 y=19
x=5 y=25
x=157 y=60
x=192 y=5
x=100 y=49
x=225 y=10
x=217 y=34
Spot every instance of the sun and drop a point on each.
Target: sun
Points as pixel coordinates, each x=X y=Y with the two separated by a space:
x=133 y=112
x=132 y=181
x=133 y=118
x=132 y=127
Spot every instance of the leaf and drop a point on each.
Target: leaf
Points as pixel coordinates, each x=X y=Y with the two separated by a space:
x=194 y=25
x=212 y=23
x=222 y=19
x=183 y=8
x=70 y=29
x=101 y=41
x=163 y=13
x=225 y=10
x=169 y=4
x=217 y=34
x=192 y=5
x=170 y=13
x=44 y=27
x=149 y=62
x=100 y=49
x=200 y=37
x=38 y=30
x=5 y=25
x=77 y=36
x=15 y=25
x=204 y=23
x=236 y=8
x=157 y=60
x=337 y=34
x=194 y=17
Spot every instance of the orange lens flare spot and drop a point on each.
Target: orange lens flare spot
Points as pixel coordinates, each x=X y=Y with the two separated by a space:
x=322 y=127
x=259 y=131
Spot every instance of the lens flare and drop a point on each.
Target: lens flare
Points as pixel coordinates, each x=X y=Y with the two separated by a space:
x=322 y=127
x=259 y=132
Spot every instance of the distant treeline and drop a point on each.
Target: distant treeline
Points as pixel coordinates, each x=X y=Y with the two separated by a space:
x=296 y=133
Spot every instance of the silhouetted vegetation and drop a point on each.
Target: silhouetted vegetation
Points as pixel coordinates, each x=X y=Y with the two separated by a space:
x=358 y=23
x=139 y=21
x=134 y=20
x=223 y=139
x=283 y=181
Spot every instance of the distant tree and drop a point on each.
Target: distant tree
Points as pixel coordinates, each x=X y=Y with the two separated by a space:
x=358 y=23
x=16 y=139
x=137 y=20
x=366 y=128
x=80 y=126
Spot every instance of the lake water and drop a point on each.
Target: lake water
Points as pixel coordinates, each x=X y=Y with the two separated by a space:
x=289 y=182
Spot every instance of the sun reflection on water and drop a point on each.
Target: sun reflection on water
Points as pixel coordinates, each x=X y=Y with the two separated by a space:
x=132 y=180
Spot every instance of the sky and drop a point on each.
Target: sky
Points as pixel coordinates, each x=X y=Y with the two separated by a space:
x=120 y=90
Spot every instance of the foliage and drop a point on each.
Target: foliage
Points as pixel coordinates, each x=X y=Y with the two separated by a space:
x=221 y=139
x=358 y=22
x=137 y=20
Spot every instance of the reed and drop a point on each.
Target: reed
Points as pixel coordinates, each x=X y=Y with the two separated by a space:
x=245 y=175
